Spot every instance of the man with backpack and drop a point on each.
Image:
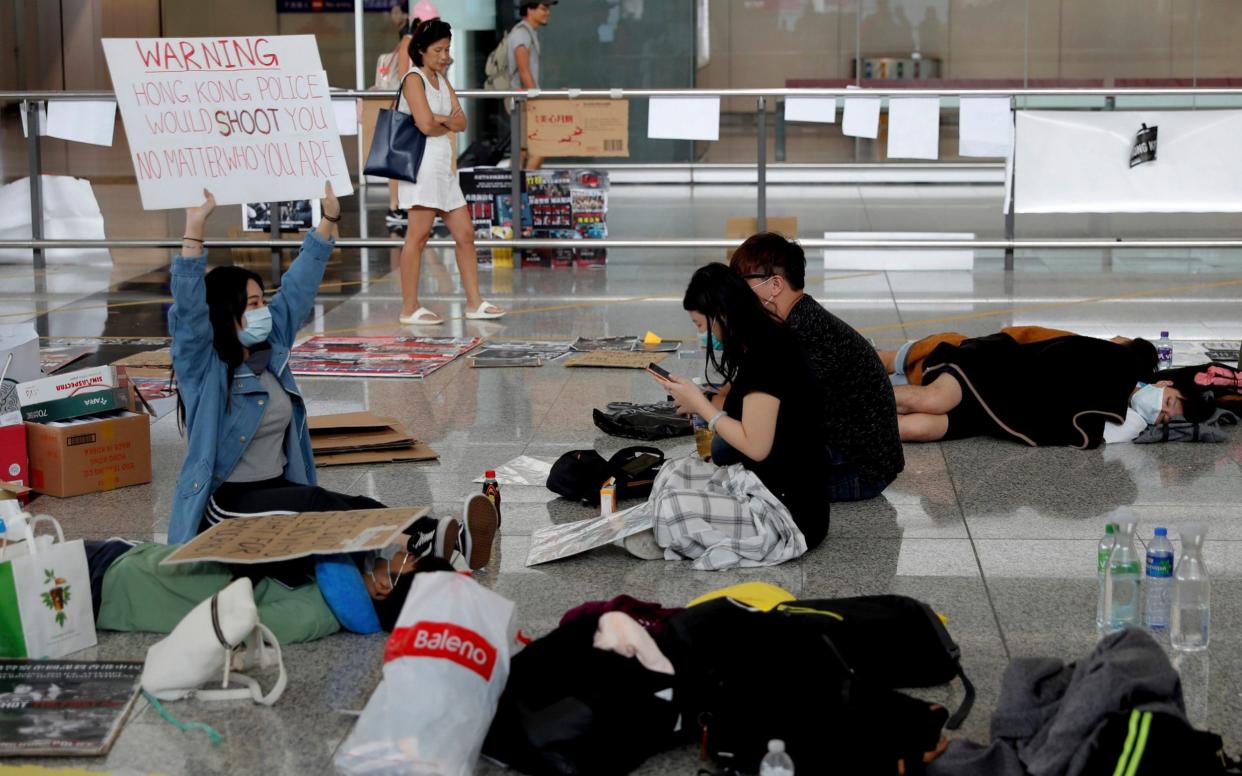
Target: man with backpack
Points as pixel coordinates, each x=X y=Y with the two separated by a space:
x=520 y=48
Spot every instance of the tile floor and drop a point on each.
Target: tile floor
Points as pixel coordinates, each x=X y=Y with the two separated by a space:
x=999 y=538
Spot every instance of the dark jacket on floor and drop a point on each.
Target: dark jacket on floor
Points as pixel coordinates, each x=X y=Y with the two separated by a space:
x=1049 y=714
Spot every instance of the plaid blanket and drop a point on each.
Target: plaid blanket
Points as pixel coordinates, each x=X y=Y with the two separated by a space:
x=721 y=517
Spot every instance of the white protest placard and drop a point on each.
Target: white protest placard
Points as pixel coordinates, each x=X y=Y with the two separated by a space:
x=819 y=110
x=249 y=118
x=684 y=118
x=861 y=117
x=986 y=127
x=82 y=121
x=914 y=128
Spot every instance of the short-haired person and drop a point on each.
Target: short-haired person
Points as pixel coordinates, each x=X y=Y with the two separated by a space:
x=860 y=414
x=427 y=95
x=771 y=504
x=524 y=60
x=248 y=449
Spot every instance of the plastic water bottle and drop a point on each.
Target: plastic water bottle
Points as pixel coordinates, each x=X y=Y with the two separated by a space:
x=1101 y=566
x=1122 y=583
x=1192 y=595
x=1158 y=587
x=1164 y=352
x=776 y=762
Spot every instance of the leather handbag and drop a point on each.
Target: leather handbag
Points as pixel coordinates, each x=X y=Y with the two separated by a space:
x=398 y=146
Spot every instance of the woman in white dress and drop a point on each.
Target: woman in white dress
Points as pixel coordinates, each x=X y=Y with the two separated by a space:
x=427 y=96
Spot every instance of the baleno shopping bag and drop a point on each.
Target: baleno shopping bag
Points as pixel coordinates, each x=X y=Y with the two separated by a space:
x=45 y=594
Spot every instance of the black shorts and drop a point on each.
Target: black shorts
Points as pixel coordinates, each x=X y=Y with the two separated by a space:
x=968 y=418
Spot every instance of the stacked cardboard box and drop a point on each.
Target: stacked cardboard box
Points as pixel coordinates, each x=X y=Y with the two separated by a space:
x=363 y=437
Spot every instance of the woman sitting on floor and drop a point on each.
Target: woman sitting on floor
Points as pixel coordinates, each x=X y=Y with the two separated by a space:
x=773 y=505
x=1067 y=390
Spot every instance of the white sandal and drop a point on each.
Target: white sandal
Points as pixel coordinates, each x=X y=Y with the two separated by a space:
x=421 y=317
x=481 y=314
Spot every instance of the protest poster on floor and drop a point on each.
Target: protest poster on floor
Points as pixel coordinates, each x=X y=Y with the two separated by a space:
x=249 y=118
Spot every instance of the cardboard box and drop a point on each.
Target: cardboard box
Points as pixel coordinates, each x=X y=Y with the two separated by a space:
x=363 y=437
x=48 y=389
x=87 y=455
x=78 y=405
x=14 y=465
x=556 y=127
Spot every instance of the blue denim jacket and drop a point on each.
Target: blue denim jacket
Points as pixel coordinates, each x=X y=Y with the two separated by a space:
x=218 y=429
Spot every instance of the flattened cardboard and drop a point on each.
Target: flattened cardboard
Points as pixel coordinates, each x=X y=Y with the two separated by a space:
x=346 y=421
x=556 y=127
x=157 y=359
x=89 y=455
x=615 y=360
x=363 y=437
x=283 y=537
x=419 y=452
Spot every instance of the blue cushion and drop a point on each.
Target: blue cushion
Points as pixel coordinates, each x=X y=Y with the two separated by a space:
x=340 y=583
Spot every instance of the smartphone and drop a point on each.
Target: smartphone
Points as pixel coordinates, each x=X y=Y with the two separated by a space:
x=655 y=369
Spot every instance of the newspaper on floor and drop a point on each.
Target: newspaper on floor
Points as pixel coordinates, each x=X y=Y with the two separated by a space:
x=523 y=470
x=554 y=542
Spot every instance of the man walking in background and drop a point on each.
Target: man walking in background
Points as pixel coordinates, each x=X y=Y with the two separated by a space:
x=524 y=60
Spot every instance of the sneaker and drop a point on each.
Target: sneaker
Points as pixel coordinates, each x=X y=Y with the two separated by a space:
x=447 y=531
x=397 y=218
x=478 y=531
x=643 y=545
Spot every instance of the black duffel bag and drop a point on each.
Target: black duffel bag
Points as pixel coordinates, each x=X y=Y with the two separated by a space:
x=648 y=422
x=579 y=474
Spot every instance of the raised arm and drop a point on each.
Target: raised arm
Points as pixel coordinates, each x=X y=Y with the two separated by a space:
x=189 y=324
x=292 y=304
x=416 y=97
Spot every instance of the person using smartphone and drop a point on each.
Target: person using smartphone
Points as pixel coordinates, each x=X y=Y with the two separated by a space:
x=770 y=416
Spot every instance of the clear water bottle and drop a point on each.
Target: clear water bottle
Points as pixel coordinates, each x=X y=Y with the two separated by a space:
x=1164 y=351
x=1158 y=586
x=1192 y=594
x=1122 y=582
x=776 y=762
x=1101 y=566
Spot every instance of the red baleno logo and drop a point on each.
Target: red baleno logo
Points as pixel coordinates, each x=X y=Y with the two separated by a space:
x=443 y=640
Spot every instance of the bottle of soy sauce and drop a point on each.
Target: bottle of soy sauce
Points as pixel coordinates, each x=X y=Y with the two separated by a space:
x=491 y=489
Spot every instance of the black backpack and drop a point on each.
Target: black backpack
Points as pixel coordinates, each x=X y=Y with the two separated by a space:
x=1154 y=743
x=579 y=474
x=648 y=422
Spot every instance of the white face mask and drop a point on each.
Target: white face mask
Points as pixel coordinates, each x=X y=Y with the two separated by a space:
x=1148 y=402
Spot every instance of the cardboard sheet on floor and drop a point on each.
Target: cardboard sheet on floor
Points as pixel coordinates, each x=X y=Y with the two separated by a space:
x=322 y=356
x=914 y=128
x=152 y=359
x=363 y=437
x=613 y=360
x=284 y=537
x=553 y=542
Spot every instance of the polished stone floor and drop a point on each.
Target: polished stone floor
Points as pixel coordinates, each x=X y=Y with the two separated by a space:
x=999 y=538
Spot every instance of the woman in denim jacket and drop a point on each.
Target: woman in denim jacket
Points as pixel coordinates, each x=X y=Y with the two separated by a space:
x=248 y=450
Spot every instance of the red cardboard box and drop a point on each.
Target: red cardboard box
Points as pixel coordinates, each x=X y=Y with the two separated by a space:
x=14 y=466
x=90 y=454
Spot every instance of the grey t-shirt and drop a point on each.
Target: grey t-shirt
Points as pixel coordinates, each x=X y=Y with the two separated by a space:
x=264 y=458
x=523 y=35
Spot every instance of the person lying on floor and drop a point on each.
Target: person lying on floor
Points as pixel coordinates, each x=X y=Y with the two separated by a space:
x=772 y=505
x=249 y=451
x=1068 y=390
x=299 y=600
x=860 y=416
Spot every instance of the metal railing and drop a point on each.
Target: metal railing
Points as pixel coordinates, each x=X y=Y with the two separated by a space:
x=1009 y=244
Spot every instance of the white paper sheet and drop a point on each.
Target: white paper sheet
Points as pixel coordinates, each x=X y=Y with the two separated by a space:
x=42 y=120
x=821 y=110
x=684 y=118
x=914 y=128
x=82 y=121
x=346 y=116
x=986 y=127
x=861 y=117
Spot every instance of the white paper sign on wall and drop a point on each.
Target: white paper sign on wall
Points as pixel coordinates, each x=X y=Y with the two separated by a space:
x=249 y=118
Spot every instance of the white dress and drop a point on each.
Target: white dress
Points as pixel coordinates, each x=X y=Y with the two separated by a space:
x=437 y=185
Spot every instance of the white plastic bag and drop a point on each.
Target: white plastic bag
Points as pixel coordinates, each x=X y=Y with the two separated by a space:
x=445 y=667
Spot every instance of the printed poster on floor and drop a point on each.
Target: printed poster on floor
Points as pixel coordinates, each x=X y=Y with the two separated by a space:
x=249 y=118
x=54 y=707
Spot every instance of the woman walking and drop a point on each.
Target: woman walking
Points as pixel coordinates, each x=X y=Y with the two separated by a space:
x=433 y=104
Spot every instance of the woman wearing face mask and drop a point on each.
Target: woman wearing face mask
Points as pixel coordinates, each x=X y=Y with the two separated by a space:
x=771 y=418
x=430 y=99
x=1069 y=390
x=248 y=446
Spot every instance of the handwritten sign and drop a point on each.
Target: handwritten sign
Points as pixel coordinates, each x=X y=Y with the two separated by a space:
x=249 y=118
x=283 y=537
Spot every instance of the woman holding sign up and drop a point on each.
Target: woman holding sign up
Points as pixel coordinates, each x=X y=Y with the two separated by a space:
x=433 y=104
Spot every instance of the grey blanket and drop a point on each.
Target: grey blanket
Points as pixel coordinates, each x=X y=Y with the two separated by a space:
x=1049 y=713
